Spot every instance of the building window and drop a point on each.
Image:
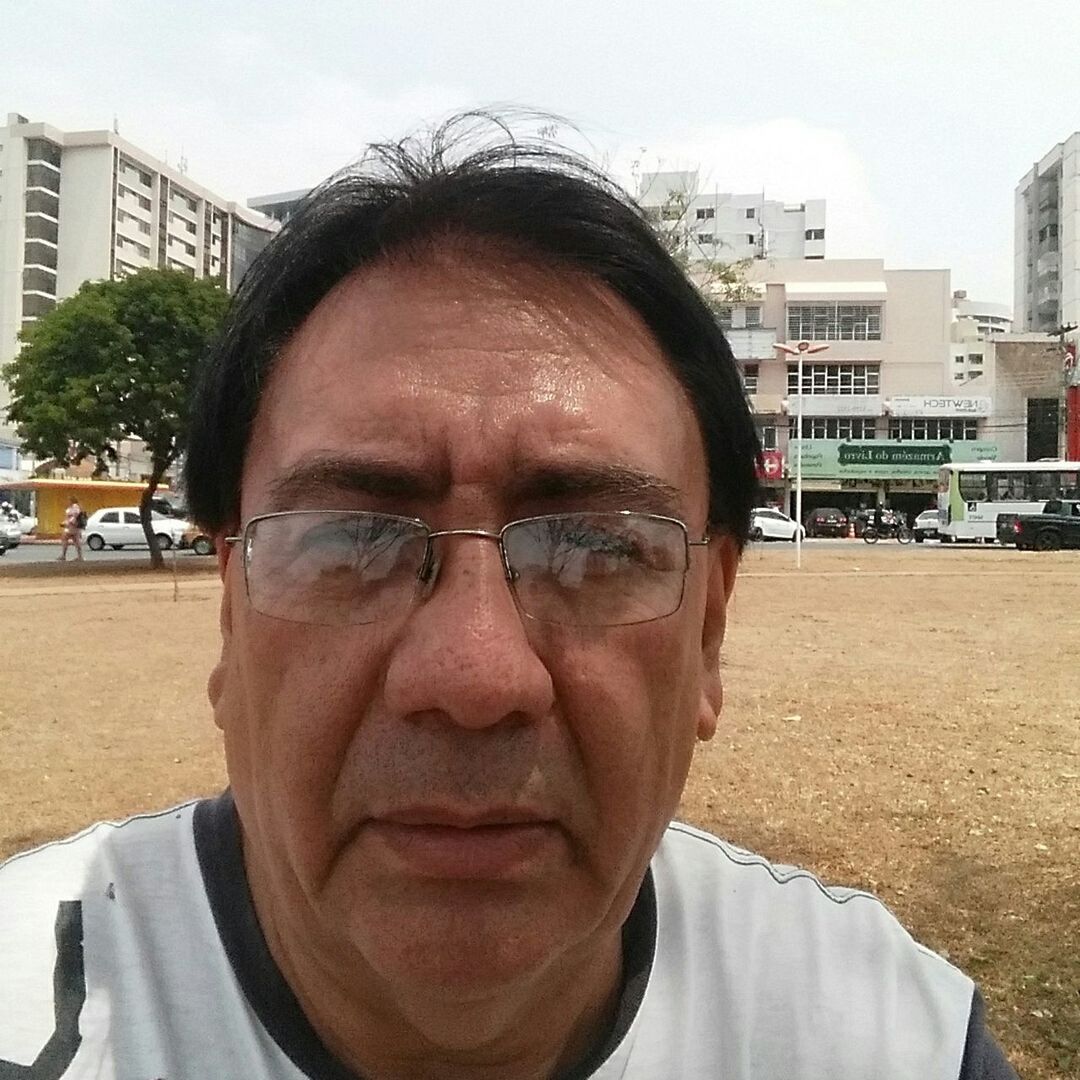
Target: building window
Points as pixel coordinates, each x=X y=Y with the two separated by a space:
x=723 y=315
x=34 y=305
x=750 y=377
x=38 y=253
x=42 y=202
x=42 y=176
x=834 y=427
x=751 y=238
x=41 y=228
x=38 y=279
x=815 y=234
x=975 y=359
x=767 y=435
x=705 y=213
x=948 y=429
x=704 y=237
x=142 y=200
x=129 y=169
x=753 y=316
x=43 y=150
x=854 y=379
x=125 y=243
x=834 y=322
x=751 y=212
x=959 y=358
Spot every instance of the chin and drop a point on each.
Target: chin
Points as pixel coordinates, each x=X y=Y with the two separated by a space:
x=465 y=945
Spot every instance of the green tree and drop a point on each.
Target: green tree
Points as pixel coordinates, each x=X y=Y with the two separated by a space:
x=116 y=361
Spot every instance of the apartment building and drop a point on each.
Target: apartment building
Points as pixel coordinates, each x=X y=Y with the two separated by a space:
x=720 y=226
x=880 y=411
x=88 y=205
x=279 y=206
x=979 y=318
x=1047 y=241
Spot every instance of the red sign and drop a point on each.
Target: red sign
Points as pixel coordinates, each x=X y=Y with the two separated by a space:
x=772 y=466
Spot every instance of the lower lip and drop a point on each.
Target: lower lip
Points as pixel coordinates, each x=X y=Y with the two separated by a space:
x=484 y=852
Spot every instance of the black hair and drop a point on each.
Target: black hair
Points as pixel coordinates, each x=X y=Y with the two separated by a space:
x=531 y=199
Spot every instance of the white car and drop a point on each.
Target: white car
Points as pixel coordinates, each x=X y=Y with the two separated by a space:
x=926 y=526
x=12 y=533
x=120 y=526
x=770 y=524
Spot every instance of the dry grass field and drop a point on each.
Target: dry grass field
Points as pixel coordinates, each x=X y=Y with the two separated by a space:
x=906 y=721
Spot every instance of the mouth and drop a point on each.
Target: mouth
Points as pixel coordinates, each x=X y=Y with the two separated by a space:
x=435 y=842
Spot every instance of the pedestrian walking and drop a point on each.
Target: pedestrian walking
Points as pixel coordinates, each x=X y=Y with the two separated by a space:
x=74 y=523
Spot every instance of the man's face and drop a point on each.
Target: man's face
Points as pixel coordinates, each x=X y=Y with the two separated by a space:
x=457 y=797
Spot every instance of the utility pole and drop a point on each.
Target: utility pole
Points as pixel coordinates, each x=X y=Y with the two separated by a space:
x=799 y=349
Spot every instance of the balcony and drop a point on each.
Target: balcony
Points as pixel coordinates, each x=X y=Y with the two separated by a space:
x=752 y=343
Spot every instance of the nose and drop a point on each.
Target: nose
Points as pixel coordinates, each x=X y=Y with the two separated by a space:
x=464 y=652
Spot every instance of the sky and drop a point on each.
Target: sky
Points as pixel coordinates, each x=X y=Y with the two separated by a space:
x=914 y=119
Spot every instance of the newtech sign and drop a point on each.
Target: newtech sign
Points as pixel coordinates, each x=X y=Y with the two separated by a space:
x=834 y=459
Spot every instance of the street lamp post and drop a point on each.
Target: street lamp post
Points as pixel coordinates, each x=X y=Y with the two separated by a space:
x=800 y=350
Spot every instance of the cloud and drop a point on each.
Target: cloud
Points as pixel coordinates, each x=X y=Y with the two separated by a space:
x=789 y=160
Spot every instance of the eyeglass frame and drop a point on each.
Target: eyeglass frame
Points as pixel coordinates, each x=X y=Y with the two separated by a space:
x=485 y=534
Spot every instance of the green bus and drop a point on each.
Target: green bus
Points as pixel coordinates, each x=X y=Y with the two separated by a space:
x=972 y=494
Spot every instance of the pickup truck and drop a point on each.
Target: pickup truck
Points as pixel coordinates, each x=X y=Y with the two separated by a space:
x=1056 y=527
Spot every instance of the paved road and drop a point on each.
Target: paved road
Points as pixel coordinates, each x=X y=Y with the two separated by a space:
x=881 y=545
x=49 y=550
x=44 y=552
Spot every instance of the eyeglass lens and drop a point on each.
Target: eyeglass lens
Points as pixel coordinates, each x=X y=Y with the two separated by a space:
x=339 y=567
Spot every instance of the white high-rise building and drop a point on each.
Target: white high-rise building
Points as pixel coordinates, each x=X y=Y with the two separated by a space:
x=88 y=205
x=1047 y=245
x=723 y=227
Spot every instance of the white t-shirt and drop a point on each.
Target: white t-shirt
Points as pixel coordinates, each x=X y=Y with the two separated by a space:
x=132 y=952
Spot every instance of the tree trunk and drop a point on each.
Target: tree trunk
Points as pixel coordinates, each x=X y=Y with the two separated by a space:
x=157 y=560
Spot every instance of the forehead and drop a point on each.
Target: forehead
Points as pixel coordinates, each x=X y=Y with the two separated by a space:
x=462 y=366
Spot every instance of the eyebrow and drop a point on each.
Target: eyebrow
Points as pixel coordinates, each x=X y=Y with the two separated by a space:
x=624 y=487
x=323 y=476
x=619 y=485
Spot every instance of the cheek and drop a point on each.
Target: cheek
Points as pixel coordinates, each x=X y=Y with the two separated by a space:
x=291 y=700
x=632 y=708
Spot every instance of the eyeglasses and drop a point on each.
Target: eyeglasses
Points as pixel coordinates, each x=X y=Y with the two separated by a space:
x=342 y=567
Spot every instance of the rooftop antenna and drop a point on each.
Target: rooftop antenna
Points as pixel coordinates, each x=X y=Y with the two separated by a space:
x=182 y=163
x=116 y=124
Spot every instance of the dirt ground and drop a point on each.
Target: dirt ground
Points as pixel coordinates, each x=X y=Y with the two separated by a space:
x=907 y=721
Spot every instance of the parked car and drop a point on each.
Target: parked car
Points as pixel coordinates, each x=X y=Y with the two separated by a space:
x=120 y=526
x=827 y=521
x=770 y=524
x=1056 y=527
x=10 y=530
x=926 y=526
x=199 y=542
x=167 y=507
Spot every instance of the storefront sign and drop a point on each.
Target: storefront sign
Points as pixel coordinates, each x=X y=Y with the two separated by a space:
x=939 y=406
x=772 y=466
x=883 y=459
x=836 y=405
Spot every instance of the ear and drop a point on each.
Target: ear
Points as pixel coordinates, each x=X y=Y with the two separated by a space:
x=217 y=681
x=223 y=550
x=723 y=564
